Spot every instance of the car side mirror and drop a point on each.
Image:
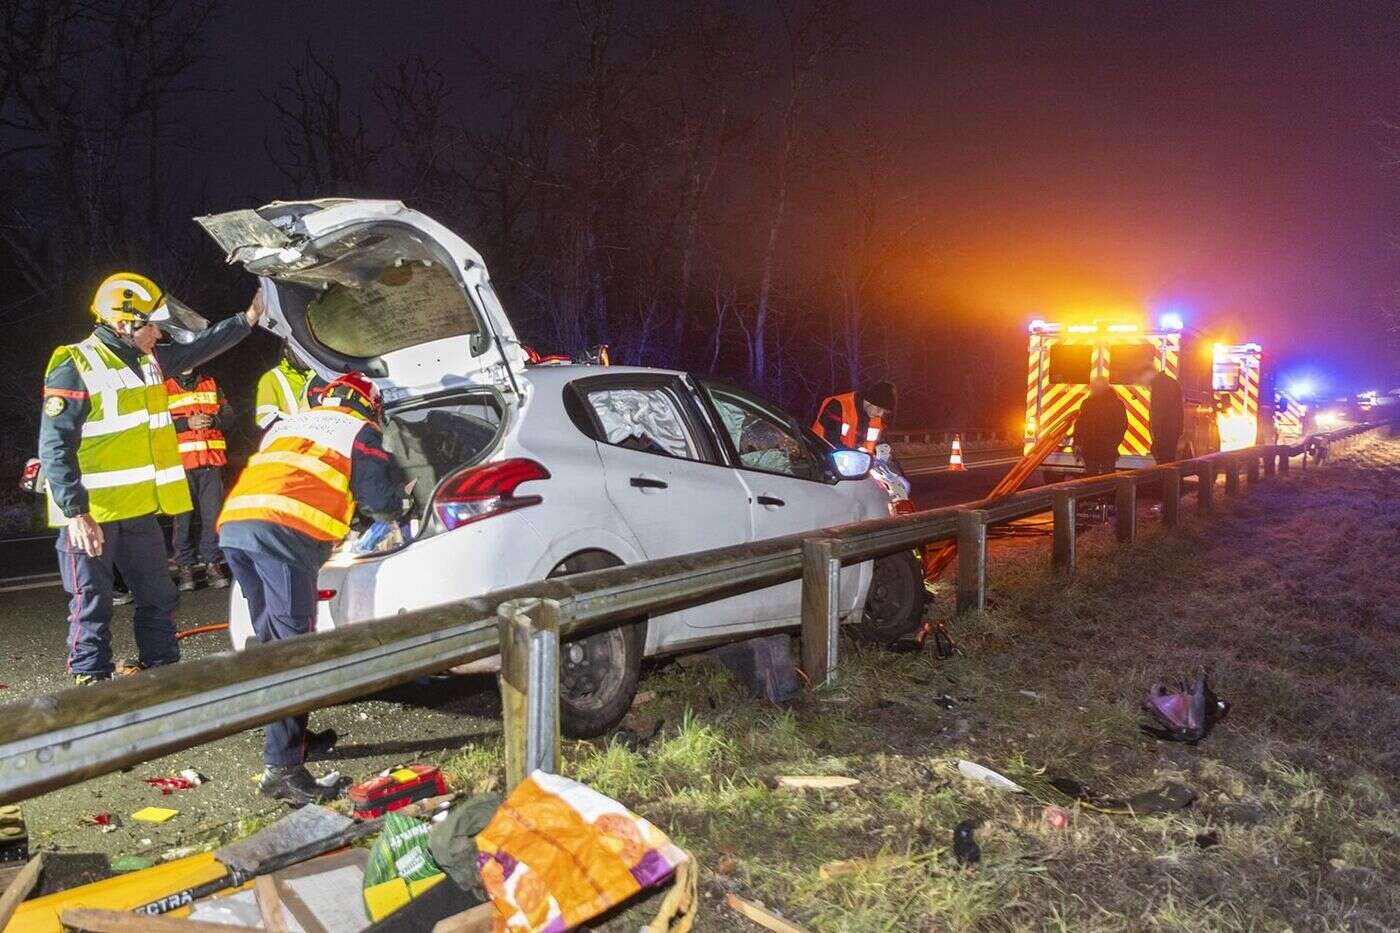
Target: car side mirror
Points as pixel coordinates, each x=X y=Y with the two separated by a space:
x=851 y=464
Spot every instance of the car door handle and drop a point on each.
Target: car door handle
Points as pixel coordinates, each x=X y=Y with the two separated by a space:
x=647 y=482
x=771 y=500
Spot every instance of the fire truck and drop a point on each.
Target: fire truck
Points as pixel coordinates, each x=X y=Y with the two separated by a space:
x=1065 y=357
x=1235 y=375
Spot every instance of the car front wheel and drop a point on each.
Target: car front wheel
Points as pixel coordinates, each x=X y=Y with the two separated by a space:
x=894 y=607
x=597 y=673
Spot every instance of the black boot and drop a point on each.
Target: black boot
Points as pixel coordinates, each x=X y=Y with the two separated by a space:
x=294 y=786
x=318 y=743
x=185 y=578
x=215 y=575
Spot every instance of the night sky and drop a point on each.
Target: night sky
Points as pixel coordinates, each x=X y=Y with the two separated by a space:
x=1225 y=159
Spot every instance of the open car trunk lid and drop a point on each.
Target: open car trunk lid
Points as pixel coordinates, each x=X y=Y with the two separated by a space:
x=373 y=287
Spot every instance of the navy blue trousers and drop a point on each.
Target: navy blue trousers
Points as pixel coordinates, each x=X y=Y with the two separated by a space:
x=136 y=547
x=282 y=603
x=207 y=492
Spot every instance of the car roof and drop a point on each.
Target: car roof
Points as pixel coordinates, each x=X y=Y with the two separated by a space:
x=556 y=374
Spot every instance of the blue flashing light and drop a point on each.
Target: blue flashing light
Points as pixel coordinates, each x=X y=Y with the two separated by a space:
x=1172 y=320
x=1302 y=388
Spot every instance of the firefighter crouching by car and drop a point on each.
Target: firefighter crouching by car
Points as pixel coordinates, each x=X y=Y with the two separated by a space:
x=112 y=463
x=196 y=405
x=290 y=506
x=286 y=389
x=856 y=419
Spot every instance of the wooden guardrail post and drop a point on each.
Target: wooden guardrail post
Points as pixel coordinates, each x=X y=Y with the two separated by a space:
x=1270 y=463
x=1251 y=468
x=529 y=680
x=1063 y=551
x=1125 y=509
x=821 y=610
x=1284 y=456
x=1205 y=487
x=1232 y=477
x=972 y=560
x=1171 y=498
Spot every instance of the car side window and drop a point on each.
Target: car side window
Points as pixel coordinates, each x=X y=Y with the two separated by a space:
x=644 y=419
x=762 y=441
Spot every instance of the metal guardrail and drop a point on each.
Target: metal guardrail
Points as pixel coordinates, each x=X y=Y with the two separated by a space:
x=62 y=738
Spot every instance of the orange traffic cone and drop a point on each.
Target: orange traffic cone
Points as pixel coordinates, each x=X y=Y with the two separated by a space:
x=955 y=464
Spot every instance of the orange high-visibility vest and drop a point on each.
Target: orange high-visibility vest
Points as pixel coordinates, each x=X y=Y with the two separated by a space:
x=300 y=476
x=199 y=447
x=850 y=424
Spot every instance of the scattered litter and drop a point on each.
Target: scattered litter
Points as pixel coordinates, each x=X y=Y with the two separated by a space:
x=817 y=781
x=965 y=848
x=945 y=701
x=976 y=772
x=1186 y=713
x=194 y=777
x=851 y=866
x=1055 y=817
x=107 y=822
x=154 y=814
x=329 y=779
x=761 y=915
x=1208 y=840
x=394 y=789
x=126 y=863
x=168 y=785
x=646 y=696
x=558 y=849
x=1029 y=694
x=1165 y=799
x=452 y=841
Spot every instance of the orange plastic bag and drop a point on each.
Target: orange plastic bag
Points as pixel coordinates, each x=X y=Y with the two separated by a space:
x=558 y=853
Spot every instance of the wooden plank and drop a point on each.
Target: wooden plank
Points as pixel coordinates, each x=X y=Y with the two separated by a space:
x=972 y=561
x=1064 y=546
x=124 y=921
x=269 y=903
x=478 y=919
x=761 y=916
x=19 y=888
x=1125 y=509
x=1171 y=499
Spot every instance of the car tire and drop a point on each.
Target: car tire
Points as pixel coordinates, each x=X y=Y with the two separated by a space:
x=598 y=674
x=894 y=606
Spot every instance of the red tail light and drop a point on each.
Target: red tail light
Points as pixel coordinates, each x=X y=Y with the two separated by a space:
x=324 y=595
x=482 y=491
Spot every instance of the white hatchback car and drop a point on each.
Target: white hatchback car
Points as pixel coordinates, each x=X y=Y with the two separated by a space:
x=525 y=472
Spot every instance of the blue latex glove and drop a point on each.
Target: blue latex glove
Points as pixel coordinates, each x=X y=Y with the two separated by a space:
x=381 y=537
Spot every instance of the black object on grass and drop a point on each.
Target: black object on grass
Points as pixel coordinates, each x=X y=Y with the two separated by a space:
x=965 y=848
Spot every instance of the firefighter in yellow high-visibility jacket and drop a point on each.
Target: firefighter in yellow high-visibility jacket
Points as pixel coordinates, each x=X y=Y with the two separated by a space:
x=285 y=389
x=109 y=452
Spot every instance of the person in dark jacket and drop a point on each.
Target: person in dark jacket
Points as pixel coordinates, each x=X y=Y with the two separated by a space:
x=1099 y=428
x=1167 y=412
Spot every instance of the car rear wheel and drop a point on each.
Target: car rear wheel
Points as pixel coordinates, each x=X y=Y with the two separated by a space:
x=598 y=673
x=894 y=607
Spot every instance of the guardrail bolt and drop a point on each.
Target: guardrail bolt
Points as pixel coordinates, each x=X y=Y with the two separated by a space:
x=1171 y=498
x=529 y=680
x=1063 y=550
x=821 y=610
x=1125 y=509
x=972 y=561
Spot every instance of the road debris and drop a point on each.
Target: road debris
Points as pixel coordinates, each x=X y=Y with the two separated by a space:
x=1208 y=840
x=975 y=772
x=19 y=888
x=395 y=788
x=965 y=848
x=763 y=666
x=168 y=785
x=107 y=822
x=816 y=781
x=1185 y=712
x=1170 y=797
x=1055 y=817
x=761 y=915
x=154 y=814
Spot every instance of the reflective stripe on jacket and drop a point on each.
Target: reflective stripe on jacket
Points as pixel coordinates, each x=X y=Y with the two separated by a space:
x=281 y=392
x=199 y=447
x=852 y=415
x=300 y=477
x=129 y=458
